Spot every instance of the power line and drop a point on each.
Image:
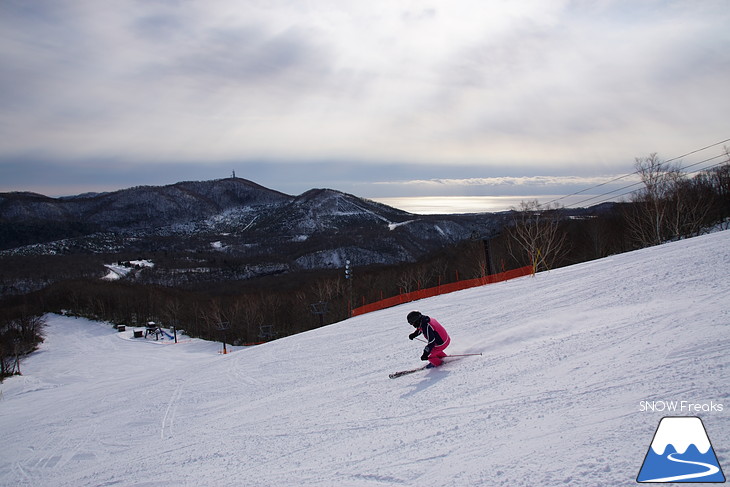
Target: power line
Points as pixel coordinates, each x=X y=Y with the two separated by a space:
x=640 y=182
x=701 y=162
x=578 y=204
x=634 y=173
x=698 y=150
x=593 y=187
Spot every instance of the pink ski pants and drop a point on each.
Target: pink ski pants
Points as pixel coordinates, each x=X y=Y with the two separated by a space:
x=437 y=353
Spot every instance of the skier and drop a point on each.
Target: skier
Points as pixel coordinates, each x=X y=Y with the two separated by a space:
x=435 y=334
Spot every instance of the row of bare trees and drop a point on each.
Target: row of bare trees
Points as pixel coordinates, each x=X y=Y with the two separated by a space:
x=669 y=205
x=198 y=313
x=19 y=335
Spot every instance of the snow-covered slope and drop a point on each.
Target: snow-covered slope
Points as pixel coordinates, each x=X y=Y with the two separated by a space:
x=558 y=398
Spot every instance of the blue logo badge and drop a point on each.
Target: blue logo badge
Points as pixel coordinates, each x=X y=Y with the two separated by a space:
x=681 y=452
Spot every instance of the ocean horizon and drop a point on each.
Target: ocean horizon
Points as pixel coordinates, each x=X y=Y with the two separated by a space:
x=435 y=205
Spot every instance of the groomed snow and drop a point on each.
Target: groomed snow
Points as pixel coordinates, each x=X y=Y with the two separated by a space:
x=569 y=356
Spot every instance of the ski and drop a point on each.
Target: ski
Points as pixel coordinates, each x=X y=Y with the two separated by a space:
x=395 y=375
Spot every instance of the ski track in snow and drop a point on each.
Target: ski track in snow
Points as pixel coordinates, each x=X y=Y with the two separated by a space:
x=169 y=418
x=554 y=400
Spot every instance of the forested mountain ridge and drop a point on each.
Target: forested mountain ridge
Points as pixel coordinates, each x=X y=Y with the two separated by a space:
x=255 y=230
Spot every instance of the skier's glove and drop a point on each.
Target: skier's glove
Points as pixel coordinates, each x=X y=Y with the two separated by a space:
x=413 y=335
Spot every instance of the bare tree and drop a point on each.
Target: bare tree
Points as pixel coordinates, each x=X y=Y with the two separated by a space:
x=689 y=207
x=477 y=254
x=213 y=315
x=326 y=289
x=172 y=312
x=481 y=268
x=406 y=281
x=414 y=277
x=18 y=337
x=669 y=205
x=720 y=183
x=535 y=233
x=252 y=316
x=648 y=218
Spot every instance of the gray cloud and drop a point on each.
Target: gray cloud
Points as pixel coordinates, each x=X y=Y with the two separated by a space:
x=250 y=55
x=589 y=73
x=477 y=88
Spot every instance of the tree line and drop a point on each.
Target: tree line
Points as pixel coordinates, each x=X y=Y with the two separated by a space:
x=669 y=205
x=19 y=336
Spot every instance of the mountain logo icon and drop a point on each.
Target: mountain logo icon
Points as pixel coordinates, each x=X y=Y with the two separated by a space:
x=681 y=452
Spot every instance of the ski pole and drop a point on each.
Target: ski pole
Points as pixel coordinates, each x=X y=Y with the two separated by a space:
x=460 y=355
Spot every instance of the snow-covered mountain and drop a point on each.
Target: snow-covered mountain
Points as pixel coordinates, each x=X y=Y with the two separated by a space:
x=568 y=359
x=236 y=217
x=141 y=206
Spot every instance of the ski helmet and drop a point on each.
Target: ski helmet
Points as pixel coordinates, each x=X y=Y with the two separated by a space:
x=414 y=318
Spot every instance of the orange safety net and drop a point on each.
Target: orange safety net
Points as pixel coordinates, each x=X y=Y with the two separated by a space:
x=442 y=289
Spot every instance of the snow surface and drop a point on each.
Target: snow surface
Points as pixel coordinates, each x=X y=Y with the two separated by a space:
x=117 y=271
x=392 y=226
x=555 y=399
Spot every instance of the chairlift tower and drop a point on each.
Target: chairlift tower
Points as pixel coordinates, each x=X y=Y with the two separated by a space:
x=223 y=327
x=321 y=308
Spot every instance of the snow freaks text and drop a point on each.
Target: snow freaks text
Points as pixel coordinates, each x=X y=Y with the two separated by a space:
x=680 y=407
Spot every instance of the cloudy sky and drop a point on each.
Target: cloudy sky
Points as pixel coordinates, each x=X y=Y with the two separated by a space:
x=378 y=98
